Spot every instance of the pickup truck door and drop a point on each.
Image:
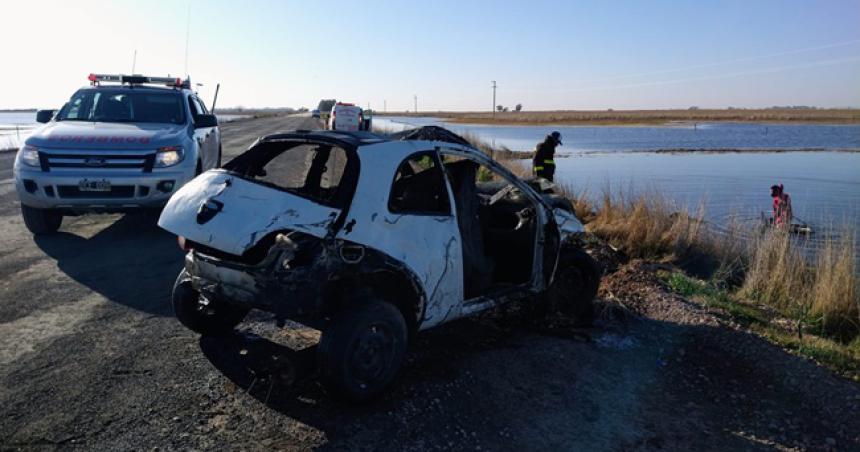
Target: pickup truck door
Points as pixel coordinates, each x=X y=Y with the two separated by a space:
x=201 y=135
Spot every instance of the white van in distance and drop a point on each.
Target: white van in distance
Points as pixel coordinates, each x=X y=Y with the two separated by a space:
x=346 y=117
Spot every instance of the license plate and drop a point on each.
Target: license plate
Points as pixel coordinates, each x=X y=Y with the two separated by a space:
x=94 y=185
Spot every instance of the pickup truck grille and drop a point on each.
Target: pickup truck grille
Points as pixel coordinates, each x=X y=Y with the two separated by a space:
x=117 y=191
x=143 y=162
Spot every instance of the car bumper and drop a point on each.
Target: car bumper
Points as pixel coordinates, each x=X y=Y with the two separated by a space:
x=55 y=190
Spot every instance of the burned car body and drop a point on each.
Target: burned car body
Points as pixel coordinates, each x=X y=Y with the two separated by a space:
x=369 y=239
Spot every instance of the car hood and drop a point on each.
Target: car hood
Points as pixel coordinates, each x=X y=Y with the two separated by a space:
x=223 y=211
x=106 y=135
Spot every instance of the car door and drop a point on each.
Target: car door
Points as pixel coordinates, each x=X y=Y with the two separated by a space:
x=403 y=208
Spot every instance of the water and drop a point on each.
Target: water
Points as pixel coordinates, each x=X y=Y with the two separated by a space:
x=648 y=138
x=15 y=127
x=732 y=187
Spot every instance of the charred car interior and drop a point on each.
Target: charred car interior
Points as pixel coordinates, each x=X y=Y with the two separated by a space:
x=368 y=239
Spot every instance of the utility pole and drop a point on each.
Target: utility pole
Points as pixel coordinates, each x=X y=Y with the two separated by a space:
x=415 y=97
x=494 y=99
x=384 y=105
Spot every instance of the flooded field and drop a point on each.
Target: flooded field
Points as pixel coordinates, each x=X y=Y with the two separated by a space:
x=732 y=186
x=691 y=136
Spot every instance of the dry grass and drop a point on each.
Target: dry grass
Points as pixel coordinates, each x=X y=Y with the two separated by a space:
x=820 y=291
x=635 y=117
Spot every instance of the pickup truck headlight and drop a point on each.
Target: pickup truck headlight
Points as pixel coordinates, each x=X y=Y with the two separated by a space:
x=30 y=155
x=168 y=156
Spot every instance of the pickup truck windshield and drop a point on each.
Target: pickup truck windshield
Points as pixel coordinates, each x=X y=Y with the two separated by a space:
x=124 y=106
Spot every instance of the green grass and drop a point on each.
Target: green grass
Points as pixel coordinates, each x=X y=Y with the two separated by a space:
x=842 y=358
x=714 y=297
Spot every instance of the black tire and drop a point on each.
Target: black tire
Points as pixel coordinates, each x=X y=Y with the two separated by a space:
x=218 y=165
x=198 y=169
x=41 y=221
x=361 y=350
x=216 y=318
x=574 y=286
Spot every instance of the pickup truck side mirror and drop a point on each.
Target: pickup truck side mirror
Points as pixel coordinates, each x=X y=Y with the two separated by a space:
x=44 y=116
x=201 y=121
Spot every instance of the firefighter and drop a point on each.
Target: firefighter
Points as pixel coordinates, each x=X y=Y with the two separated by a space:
x=782 y=213
x=543 y=164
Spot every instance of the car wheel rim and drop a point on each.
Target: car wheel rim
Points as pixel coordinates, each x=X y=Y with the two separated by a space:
x=372 y=355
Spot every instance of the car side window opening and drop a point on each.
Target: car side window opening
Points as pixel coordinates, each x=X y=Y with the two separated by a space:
x=497 y=223
x=311 y=171
x=192 y=107
x=201 y=107
x=419 y=187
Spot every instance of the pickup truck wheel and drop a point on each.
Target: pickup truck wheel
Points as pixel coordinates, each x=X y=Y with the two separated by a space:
x=361 y=350
x=218 y=165
x=207 y=317
x=41 y=221
x=575 y=285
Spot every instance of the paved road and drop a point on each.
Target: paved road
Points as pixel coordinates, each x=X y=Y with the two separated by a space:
x=91 y=357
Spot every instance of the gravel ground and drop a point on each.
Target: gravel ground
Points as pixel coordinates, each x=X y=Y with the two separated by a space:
x=91 y=358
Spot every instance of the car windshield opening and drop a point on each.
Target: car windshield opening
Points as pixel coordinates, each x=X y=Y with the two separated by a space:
x=124 y=106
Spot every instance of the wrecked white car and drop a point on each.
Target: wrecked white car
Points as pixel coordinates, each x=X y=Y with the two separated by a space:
x=369 y=239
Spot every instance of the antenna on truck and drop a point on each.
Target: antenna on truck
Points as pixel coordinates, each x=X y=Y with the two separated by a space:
x=215 y=100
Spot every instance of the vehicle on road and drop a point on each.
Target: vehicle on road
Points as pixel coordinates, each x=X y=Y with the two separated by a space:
x=315 y=113
x=371 y=239
x=325 y=107
x=123 y=143
x=346 y=117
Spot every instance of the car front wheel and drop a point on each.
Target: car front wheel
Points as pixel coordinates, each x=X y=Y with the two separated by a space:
x=361 y=350
x=574 y=286
x=200 y=314
x=41 y=221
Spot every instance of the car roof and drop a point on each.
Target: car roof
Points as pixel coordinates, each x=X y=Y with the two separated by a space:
x=361 y=138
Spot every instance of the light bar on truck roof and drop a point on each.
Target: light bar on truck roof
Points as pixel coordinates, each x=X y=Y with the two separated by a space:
x=136 y=79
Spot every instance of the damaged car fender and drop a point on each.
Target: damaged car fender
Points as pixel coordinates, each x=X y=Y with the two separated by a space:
x=232 y=214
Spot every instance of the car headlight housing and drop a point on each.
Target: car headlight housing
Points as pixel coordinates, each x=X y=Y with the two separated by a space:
x=168 y=156
x=30 y=155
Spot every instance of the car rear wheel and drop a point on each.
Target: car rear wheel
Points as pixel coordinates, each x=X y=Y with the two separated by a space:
x=361 y=350
x=200 y=314
x=41 y=221
x=574 y=286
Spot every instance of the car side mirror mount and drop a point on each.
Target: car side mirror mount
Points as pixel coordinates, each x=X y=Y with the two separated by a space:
x=201 y=121
x=44 y=116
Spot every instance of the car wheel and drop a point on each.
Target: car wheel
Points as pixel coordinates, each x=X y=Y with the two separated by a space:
x=41 y=221
x=574 y=286
x=361 y=350
x=201 y=315
x=198 y=169
x=218 y=165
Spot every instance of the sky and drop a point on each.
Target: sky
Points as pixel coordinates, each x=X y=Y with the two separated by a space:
x=545 y=55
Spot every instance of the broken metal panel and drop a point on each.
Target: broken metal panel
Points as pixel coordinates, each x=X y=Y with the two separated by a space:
x=429 y=245
x=567 y=222
x=239 y=212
